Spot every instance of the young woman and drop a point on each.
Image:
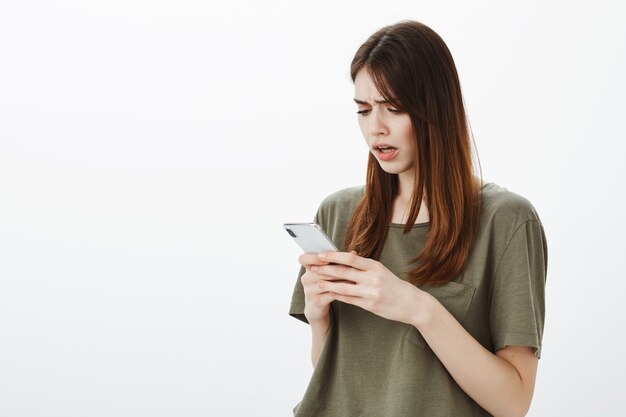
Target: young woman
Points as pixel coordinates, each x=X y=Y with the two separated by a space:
x=435 y=307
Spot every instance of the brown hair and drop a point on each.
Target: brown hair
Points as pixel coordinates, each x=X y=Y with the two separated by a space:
x=413 y=69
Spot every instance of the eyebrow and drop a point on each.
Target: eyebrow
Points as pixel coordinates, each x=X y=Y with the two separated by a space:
x=357 y=101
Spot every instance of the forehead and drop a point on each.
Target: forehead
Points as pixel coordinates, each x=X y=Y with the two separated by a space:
x=365 y=89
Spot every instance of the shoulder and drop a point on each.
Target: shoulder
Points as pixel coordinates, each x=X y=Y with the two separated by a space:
x=505 y=212
x=344 y=197
x=503 y=206
x=337 y=207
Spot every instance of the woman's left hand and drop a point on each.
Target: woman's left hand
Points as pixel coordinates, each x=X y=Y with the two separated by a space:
x=368 y=284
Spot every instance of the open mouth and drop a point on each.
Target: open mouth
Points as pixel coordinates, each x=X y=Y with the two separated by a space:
x=386 y=153
x=386 y=149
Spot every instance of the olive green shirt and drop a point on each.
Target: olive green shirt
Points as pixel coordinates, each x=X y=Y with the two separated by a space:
x=372 y=366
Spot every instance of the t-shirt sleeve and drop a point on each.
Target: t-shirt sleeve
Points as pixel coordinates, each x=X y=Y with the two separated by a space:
x=297 y=299
x=518 y=292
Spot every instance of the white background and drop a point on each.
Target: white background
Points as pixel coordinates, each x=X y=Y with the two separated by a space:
x=150 y=152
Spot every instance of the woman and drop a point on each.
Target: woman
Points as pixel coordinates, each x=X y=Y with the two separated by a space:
x=435 y=307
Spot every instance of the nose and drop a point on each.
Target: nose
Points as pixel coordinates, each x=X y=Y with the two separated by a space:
x=377 y=125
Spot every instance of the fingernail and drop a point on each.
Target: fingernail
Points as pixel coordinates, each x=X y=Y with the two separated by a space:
x=321 y=255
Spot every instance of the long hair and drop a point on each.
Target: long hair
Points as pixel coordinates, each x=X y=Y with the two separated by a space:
x=413 y=69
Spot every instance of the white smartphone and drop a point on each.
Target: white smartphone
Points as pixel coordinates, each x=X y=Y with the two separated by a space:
x=310 y=237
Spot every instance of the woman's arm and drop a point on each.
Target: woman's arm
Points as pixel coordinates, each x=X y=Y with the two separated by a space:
x=319 y=330
x=316 y=304
x=502 y=383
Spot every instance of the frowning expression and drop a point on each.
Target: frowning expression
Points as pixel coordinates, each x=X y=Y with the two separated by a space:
x=388 y=132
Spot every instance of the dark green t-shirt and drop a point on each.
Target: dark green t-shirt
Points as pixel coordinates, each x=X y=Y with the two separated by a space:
x=372 y=366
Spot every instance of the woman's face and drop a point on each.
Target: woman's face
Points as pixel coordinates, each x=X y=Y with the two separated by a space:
x=383 y=126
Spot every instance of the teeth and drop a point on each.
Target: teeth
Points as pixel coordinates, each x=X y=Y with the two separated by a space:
x=386 y=150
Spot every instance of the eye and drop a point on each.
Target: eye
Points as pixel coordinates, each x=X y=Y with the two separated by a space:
x=394 y=110
x=363 y=112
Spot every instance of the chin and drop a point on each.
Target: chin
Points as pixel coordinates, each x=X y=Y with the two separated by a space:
x=390 y=169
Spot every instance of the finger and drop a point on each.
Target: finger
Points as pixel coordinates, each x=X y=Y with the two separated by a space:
x=313 y=279
x=338 y=272
x=349 y=259
x=349 y=299
x=314 y=289
x=308 y=259
x=309 y=282
x=341 y=288
x=323 y=298
x=310 y=278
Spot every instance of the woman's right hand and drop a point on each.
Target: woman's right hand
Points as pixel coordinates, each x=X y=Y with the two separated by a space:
x=316 y=301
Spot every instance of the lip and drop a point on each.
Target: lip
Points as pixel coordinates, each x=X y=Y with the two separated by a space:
x=385 y=156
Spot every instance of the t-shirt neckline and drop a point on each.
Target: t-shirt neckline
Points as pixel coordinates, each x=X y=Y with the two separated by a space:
x=425 y=224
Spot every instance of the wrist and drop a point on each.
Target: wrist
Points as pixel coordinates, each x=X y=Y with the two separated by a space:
x=320 y=323
x=424 y=311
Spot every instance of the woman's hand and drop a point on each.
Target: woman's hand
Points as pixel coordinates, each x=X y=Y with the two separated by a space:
x=316 y=300
x=370 y=285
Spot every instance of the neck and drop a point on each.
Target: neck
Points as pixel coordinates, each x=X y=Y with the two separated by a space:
x=404 y=199
x=406 y=181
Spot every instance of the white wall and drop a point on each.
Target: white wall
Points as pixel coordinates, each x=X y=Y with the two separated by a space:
x=150 y=152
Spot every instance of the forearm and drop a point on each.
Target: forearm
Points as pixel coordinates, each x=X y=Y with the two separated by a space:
x=490 y=380
x=319 y=330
